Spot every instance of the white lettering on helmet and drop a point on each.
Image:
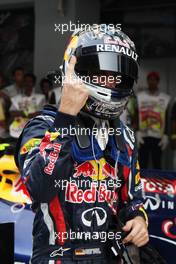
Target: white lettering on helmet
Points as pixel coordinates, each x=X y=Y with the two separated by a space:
x=118 y=49
x=100 y=47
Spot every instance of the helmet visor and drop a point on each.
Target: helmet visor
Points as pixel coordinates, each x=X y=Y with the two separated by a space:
x=112 y=62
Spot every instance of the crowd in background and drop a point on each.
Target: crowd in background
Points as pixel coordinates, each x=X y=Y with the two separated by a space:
x=147 y=111
x=21 y=100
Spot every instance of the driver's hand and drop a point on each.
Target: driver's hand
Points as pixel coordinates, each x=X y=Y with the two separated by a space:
x=138 y=232
x=74 y=93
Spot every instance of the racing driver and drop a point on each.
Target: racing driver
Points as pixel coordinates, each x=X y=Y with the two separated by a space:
x=79 y=162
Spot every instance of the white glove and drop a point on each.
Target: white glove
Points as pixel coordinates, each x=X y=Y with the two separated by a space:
x=163 y=142
x=139 y=138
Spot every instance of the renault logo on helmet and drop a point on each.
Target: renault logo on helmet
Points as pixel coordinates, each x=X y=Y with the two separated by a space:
x=118 y=49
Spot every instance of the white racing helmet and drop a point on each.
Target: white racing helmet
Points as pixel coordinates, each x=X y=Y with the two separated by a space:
x=104 y=52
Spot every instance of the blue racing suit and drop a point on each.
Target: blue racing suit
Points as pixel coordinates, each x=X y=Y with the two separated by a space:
x=77 y=189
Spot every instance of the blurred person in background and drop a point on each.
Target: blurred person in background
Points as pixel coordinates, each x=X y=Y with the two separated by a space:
x=18 y=82
x=172 y=130
x=150 y=122
x=55 y=77
x=3 y=109
x=25 y=106
x=55 y=96
x=12 y=90
x=46 y=88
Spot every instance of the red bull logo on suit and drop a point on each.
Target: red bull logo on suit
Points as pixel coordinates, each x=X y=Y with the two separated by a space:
x=97 y=171
x=99 y=188
x=75 y=195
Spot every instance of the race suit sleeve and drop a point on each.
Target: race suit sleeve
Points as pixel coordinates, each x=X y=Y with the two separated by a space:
x=45 y=158
x=131 y=192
